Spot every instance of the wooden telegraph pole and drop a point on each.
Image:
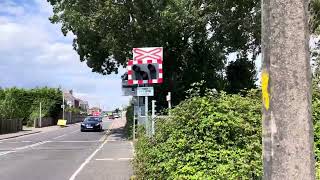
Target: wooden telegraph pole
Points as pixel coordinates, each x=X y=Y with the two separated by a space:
x=286 y=86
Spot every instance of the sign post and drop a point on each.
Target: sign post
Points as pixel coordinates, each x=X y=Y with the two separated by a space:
x=153 y=116
x=147 y=116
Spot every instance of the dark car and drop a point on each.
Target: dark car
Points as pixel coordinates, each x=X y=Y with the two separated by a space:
x=92 y=124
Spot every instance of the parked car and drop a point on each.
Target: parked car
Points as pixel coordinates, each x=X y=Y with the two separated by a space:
x=92 y=124
x=111 y=117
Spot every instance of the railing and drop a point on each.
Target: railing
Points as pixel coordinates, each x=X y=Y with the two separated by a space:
x=10 y=125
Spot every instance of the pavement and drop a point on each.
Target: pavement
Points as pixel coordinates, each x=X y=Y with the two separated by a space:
x=68 y=154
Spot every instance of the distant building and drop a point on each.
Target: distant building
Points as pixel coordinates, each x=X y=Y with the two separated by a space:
x=84 y=105
x=69 y=99
x=72 y=101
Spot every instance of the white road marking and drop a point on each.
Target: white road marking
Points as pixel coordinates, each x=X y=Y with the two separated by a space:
x=75 y=141
x=58 y=137
x=26 y=141
x=87 y=161
x=125 y=159
x=112 y=140
x=32 y=145
x=5 y=152
x=105 y=159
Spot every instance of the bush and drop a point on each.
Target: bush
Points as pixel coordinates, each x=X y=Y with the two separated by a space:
x=129 y=124
x=23 y=103
x=212 y=137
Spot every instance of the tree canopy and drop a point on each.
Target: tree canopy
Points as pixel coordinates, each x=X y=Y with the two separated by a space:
x=197 y=36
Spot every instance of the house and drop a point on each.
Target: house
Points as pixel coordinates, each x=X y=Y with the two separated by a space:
x=84 y=105
x=72 y=101
x=69 y=99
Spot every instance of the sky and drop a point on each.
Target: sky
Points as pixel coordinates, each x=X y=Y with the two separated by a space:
x=34 y=53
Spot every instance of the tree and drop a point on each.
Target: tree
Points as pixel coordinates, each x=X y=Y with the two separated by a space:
x=240 y=75
x=197 y=36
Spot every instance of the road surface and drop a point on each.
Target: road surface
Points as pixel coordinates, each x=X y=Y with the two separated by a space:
x=67 y=154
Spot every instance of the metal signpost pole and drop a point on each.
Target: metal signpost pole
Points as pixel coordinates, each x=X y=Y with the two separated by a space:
x=146 y=115
x=153 y=116
x=134 y=123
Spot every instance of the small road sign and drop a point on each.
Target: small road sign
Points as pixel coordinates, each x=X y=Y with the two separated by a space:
x=145 y=91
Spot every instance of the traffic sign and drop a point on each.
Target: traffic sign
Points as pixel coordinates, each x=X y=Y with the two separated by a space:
x=145 y=72
x=145 y=91
x=147 y=53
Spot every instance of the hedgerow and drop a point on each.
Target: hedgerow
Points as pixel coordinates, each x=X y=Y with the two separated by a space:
x=211 y=137
x=24 y=103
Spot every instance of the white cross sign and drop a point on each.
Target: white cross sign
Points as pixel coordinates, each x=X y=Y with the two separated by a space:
x=149 y=53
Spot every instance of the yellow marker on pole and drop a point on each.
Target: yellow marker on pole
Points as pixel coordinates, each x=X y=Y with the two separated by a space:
x=265 y=92
x=62 y=122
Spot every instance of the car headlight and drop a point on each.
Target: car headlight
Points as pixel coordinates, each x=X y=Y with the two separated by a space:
x=82 y=124
x=97 y=124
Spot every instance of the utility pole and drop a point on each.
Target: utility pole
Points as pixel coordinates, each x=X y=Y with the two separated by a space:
x=63 y=105
x=286 y=89
x=40 y=118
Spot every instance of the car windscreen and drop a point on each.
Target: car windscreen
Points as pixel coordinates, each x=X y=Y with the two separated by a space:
x=91 y=120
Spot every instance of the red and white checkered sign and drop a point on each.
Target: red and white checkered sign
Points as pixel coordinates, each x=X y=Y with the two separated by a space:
x=145 y=61
x=149 y=53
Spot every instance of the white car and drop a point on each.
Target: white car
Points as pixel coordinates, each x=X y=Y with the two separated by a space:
x=116 y=116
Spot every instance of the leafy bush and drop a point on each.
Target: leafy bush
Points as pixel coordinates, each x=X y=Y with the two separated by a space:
x=129 y=124
x=212 y=137
x=24 y=104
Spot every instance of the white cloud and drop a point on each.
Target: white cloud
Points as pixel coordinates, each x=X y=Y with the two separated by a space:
x=33 y=52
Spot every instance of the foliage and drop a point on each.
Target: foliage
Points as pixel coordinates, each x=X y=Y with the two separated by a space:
x=129 y=124
x=24 y=103
x=211 y=137
x=239 y=75
x=197 y=36
x=217 y=136
x=73 y=110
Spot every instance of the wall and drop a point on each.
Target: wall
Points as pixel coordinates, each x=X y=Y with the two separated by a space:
x=10 y=125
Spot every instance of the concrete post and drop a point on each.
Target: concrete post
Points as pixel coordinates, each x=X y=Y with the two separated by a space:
x=286 y=88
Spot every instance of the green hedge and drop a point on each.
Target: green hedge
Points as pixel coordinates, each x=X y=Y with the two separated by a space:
x=212 y=137
x=24 y=103
x=129 y=124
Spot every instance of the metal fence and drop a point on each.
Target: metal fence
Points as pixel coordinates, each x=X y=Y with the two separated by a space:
x=10 y=125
